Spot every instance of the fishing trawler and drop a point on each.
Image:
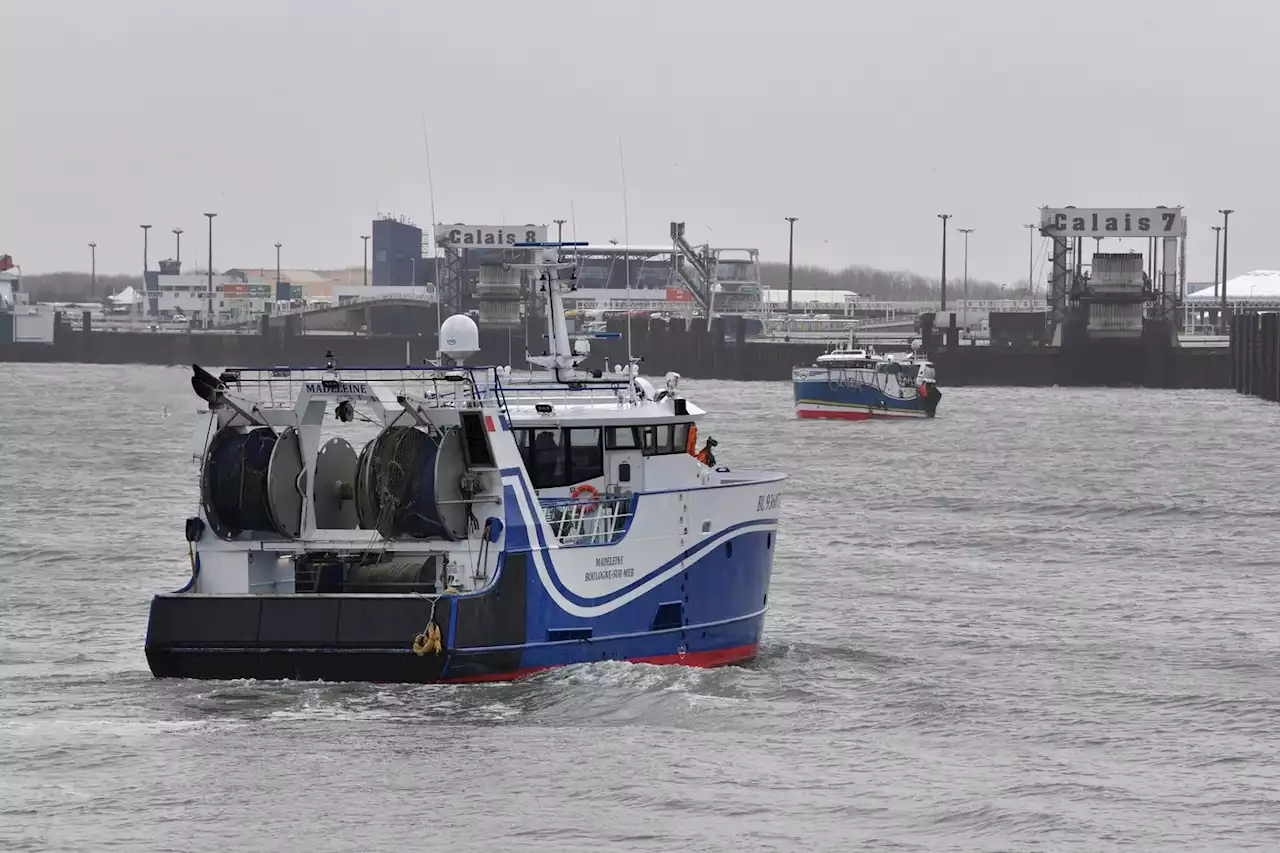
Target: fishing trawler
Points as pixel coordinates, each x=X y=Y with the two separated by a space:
x=450 y=524
x=850 y=383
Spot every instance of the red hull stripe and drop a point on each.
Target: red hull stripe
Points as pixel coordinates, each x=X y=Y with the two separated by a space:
x=717 y=657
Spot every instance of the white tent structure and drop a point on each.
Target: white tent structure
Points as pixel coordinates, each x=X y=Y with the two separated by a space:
x=126 y=297
x=1256 y=289
x=124 y=301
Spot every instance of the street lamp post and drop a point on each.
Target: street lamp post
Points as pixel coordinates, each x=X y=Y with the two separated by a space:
x=944 y=217
x=559 y=229
x=146 y=229
x=1217 y=257
x=177 y=232
x=93 y=269
x=366 y=259
x=277 y=293
x=208 y=314
x=791 y=258
x=1031 y=258
x=1225 y=233
x=965 y=311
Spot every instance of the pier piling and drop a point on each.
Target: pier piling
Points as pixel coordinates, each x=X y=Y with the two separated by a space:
x=1255 y=354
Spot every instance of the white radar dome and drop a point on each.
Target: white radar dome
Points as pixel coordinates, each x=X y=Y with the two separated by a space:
x=459 y=337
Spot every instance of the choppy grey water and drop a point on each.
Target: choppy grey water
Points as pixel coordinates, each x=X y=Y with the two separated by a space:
x=1046 y=620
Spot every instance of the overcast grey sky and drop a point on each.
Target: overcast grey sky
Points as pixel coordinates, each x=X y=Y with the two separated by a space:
x=298 y=120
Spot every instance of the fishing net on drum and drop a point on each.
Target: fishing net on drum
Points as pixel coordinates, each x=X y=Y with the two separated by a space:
x=387 y=477
x=236 y=480
x=399 y=482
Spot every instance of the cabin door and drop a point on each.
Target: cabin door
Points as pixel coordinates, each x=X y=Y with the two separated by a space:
x=625 y=469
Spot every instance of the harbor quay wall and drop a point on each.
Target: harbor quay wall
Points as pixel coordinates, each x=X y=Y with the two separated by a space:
x=1113 y=364
x=1255 y=354
x=1149 y=361
x=721 y=352
x=696 y=351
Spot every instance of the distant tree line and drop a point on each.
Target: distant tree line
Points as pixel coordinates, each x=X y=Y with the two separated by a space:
x=76 y=286
x=881 y=284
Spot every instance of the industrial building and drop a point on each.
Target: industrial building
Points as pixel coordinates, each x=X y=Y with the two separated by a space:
x=397 y=254
x=239 y=295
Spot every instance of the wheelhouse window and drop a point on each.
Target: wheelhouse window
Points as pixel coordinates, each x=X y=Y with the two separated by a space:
x=524 y=439
x=680 y=441
x=621 y=438
x=586 y=457
x=647 y=441
x=560 y=457
x=664 y=439
x=548 y=469
x=565 y=457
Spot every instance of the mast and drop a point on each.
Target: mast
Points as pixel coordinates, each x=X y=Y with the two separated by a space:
x=560 y=357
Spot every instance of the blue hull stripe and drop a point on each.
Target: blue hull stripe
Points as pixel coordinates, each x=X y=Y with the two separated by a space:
x=855 y=396
x=515 y=522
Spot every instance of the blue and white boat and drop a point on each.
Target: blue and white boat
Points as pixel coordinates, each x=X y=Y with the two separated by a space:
x=487 y=529
x=857 y=384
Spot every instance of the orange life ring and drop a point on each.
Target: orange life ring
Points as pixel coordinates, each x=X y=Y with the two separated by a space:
x=586 y=489
x=691 y=446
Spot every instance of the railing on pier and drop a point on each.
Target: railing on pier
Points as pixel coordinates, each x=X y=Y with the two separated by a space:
x=597 y=521
x=346 y=301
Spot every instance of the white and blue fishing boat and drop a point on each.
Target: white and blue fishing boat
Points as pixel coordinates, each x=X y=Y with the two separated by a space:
x=854 y=384
x=450 y=524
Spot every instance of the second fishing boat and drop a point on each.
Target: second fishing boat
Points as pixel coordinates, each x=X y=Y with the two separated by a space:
x=857 y=384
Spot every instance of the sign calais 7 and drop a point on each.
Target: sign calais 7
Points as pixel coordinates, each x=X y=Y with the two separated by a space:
x=459 y=236
x=1111 y=222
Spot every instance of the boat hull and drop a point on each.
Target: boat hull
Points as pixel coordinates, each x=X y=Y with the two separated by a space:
x=852 y=412
x=507 y=631
x=827 y=400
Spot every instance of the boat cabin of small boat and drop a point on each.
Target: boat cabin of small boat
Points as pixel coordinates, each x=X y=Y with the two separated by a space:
x=851 y=383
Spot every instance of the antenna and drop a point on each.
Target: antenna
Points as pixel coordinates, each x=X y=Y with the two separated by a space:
x=573 y=227
x=626 y=236
x=435 y=250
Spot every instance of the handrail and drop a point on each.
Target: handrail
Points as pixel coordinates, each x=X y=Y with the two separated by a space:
x=597 y=521
x=278 y=387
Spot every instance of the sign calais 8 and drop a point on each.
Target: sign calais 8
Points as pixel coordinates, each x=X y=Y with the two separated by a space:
x=1111 y=222
x=459 y=236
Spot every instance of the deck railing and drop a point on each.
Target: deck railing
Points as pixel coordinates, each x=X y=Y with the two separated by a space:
x=279 y=387
x=597 y=521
